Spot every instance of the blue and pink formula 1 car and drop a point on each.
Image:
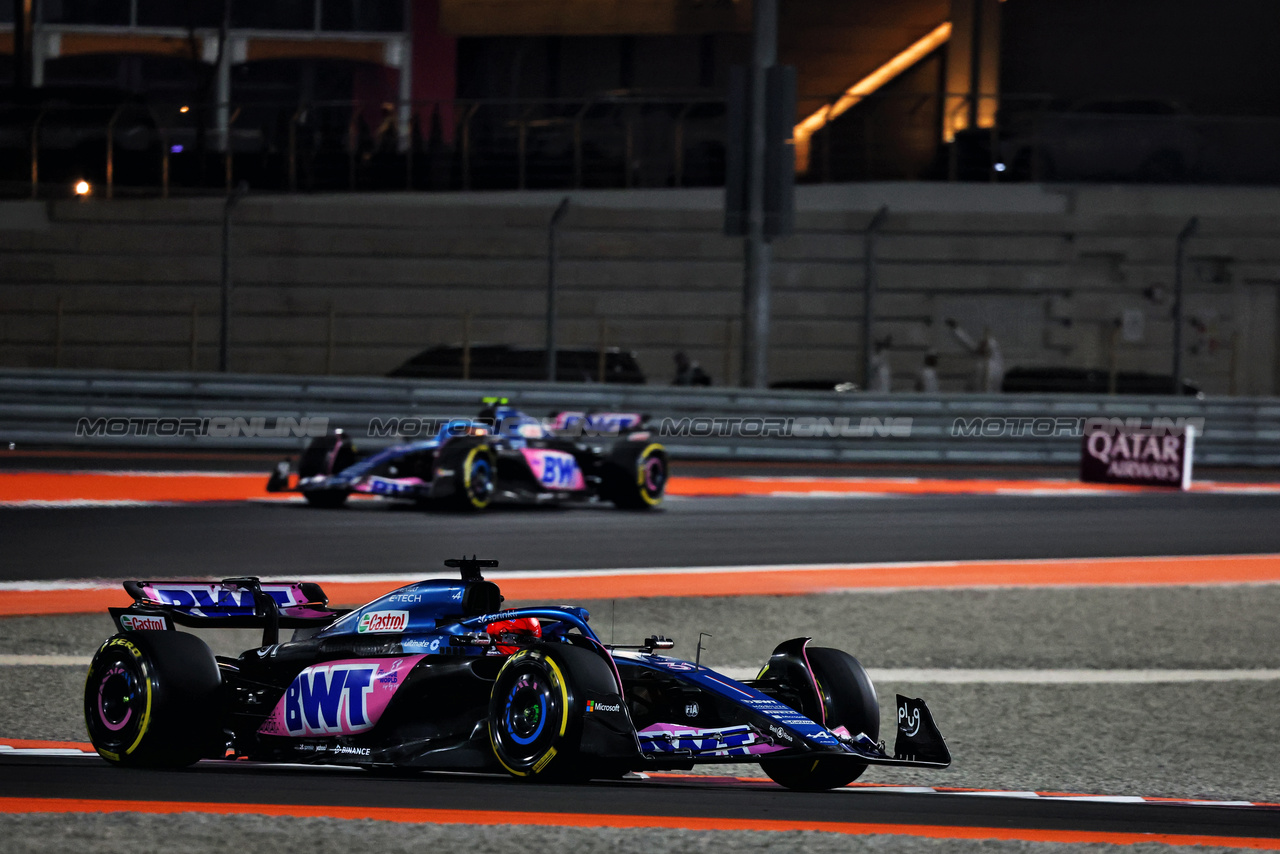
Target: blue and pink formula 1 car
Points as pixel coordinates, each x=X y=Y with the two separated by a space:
x=437 y=676
x=502 y=455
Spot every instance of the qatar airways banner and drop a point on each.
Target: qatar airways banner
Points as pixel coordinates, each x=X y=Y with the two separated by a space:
x=1138 y=456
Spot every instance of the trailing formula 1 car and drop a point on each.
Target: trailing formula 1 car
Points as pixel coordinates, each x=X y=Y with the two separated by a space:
x=503 y=455
x=438 y=676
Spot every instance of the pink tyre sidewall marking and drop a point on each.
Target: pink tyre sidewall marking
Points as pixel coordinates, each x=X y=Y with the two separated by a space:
x=652 y=473
x=116 y=670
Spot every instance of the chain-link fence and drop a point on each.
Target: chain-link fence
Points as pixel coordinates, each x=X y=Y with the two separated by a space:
x=613 y=141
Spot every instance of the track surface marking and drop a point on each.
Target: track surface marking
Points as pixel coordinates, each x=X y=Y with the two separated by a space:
x=19 y=598
x=132 y=488
x=564 y=819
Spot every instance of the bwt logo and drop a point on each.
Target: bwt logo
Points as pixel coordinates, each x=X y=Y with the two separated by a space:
x=558 y=470
x=383 y=621
x=216 y=598
x=213 y=597
x=329 y=698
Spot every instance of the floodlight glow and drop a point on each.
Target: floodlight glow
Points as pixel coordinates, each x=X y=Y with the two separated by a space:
x=864 y=87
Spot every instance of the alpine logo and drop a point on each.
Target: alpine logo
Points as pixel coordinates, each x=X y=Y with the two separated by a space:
x=136 y=623
x=329 y=698
x=383 y=621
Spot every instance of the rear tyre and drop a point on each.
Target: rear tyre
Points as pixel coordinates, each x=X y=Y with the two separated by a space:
x=635 y=475
x=536 y=710
x=849 y=701
x=153 y=699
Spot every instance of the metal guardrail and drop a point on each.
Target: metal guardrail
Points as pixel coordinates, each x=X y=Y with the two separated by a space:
x=42 y=407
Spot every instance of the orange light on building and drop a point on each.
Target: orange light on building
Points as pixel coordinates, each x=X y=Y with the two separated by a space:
x=805 y=130
x=83 y=189
x=184 y=108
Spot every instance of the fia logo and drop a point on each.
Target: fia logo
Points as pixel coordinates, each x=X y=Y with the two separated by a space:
x=691 y=710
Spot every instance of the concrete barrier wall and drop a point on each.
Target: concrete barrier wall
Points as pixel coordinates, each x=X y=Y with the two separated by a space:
x=58 y=408
x=356 y=284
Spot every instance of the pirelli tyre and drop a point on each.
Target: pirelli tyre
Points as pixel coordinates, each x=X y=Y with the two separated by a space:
x=536 y=711
x=326 y=498
x=154 y=699
x=474 y=470
x=326 y=456
x=848 y=700
x=635 y=475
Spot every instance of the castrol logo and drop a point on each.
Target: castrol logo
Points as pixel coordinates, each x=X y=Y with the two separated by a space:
x=383 y=621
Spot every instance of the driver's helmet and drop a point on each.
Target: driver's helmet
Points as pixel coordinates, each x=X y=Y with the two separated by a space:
x=528 y=626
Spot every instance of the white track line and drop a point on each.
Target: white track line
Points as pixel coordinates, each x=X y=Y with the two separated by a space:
x=44 y=660
x=1047 y=676
x=692 y=779
x=501 y=575
x=949 y=676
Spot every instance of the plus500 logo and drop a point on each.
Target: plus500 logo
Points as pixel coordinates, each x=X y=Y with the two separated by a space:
x=383 y=621
x=329 y=698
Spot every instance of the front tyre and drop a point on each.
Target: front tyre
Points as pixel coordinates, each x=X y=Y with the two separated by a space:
x=848 y=699
x=530 y=716
x=329 y=499
x=538 y=710
x=327 y=455
x=475 y=479
x=324 y=457
x=152 y=699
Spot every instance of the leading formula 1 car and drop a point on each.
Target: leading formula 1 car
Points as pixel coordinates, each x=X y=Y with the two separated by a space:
x=502 y=455
x=438 y=676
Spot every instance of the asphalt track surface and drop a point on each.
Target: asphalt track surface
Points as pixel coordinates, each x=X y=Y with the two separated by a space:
x=229 y=539
x=221 y=540
x=234 y=783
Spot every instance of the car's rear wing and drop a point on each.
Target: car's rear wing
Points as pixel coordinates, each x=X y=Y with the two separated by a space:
x=597 y=424
x=233 y=603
